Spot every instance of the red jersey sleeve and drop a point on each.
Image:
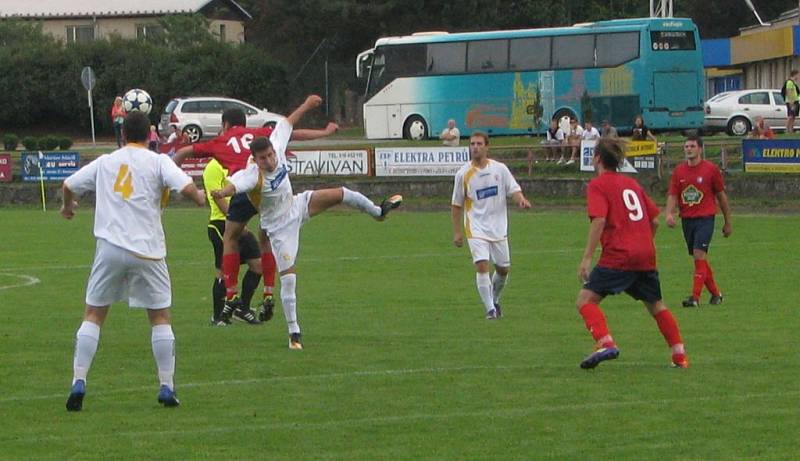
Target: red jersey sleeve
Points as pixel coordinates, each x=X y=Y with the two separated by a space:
x=597 y=201
x=673 y=183
x=203 y=149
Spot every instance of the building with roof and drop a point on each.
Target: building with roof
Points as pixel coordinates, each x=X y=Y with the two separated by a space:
x=88 y=20
x=761 y=56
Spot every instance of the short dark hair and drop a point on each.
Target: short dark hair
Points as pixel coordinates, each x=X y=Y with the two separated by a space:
x=696 y=139
x=234 y=117
x=260 y=144
x=611 y=152
x=136 y=127
x=480 y=134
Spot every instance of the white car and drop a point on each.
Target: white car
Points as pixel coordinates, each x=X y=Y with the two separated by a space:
x=201 y=116
x=735 y=111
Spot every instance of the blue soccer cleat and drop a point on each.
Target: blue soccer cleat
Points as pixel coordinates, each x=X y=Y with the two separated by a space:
x=600 y=355
x=75 y=399
x=167 y=397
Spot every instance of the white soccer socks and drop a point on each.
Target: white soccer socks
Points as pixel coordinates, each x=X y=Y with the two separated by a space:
x=498 y=283
x=163 y=341
x=484 y=283
x=86 y=340
x=289 y=301
x=359 y=201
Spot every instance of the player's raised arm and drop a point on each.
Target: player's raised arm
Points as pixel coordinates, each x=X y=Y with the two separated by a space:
x=307 y=135
x=182 y=153
x=312 y=102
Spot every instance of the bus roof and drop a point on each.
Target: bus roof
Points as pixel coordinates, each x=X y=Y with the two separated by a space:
x=615 y=25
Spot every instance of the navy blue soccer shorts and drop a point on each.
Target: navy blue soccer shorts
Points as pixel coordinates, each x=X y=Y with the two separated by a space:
x=698 y=232
x=640 y=285
x=240 y=208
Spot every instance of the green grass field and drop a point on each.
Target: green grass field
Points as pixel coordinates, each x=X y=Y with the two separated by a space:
x=399 y=363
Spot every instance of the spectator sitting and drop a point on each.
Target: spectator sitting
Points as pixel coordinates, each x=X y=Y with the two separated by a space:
x=640 y=130
x=450 y=136
x=574 y=136
x=554 y=141
x=761 y=130
x=608 y=130
x=590 y=133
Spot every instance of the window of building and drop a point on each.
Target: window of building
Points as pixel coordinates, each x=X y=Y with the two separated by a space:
x=80 y=34
x=487 y=56
x=149 y=32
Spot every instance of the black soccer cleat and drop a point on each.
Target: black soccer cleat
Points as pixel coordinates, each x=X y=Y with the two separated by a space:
x=246 y=315
x=390 y=204
x=690 y=302
x=75 y=399
x=267 y=309
x=231 y=306
x=715 y=300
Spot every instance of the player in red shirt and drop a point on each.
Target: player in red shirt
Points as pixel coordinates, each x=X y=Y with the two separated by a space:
x=232 y=150
x=696 y=186
x=624 y=221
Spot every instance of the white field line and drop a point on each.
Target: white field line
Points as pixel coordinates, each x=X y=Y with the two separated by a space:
x=27 y=280
x=394 y=419
x=451 y=254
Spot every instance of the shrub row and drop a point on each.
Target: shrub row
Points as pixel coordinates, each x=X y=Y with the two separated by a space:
x=11 y=141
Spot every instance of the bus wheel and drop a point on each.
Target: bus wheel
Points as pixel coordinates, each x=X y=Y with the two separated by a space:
x=738 y=126
x=415 y=128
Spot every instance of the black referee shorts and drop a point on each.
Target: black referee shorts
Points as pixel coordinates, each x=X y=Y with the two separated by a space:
x=248 y=246
x=641 y=285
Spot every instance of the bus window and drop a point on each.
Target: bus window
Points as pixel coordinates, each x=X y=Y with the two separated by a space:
x=487 y=56
x=616 y=49
x=446 y=58
x=573 y=51
x=529 y=53
x=672 y=40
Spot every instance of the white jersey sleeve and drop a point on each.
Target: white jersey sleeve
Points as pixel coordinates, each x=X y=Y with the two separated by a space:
x=245 y=180
x=280 y=138
x=458 y=189
x=85 y=179
x=511 y=184
x=172 y=175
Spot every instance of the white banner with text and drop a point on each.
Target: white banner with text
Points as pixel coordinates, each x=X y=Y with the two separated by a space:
x=419 y=161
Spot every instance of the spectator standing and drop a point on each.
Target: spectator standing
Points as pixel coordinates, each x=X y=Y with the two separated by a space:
x=640 y=130
x=117 y=118
x=450 y=136
x=792 y=98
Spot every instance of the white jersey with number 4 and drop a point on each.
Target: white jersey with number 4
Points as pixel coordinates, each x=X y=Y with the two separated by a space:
x=482 y=195
x=129 y=186
x=276 y=189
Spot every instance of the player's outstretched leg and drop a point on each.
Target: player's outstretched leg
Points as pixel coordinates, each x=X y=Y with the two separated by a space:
x=86 y=340
x=359 y=201
x=595 y=320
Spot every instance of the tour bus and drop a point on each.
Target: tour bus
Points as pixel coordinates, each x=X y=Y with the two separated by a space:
x=513 y=82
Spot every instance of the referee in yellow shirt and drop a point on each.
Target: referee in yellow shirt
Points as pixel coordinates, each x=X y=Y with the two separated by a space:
x=214 y=178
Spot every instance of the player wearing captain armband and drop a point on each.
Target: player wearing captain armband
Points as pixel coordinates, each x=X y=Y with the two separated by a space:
x=283 y=213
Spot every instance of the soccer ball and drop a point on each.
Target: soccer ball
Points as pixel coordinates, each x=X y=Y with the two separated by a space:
x=137 y=100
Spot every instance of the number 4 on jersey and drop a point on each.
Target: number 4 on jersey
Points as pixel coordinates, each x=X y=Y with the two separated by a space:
x=124 y=182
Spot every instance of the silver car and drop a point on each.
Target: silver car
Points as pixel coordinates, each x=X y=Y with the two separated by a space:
x=201 y=116
x=735 y=111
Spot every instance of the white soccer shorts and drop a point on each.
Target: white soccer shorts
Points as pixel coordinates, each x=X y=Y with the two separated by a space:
x=119 y=275
x=285 y=239
x=495 y=252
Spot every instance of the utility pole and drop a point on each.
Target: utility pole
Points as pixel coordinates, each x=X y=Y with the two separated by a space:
x=661 y=8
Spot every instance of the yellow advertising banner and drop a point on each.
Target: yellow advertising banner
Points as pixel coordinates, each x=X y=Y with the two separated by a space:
x=639 y=148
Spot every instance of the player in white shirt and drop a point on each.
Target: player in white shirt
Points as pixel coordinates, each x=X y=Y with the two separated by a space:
x=130 y=186
x=479 y=213
x=282 y=213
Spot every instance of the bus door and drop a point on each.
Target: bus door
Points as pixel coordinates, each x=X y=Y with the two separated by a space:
x=394 y=120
